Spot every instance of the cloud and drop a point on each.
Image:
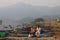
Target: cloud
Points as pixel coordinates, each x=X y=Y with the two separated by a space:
x=50 y=3
x=43 y=2
x=4 y=3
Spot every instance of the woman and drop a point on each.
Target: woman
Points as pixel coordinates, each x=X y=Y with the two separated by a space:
x=32 y=31
x=38 y=30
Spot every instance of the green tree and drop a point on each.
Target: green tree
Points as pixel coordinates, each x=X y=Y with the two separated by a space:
x=39 y=19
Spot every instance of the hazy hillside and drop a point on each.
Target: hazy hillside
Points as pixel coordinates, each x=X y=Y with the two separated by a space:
x=27 y=20
x=51 y=17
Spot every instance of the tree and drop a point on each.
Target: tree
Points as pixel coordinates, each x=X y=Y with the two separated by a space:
x=39 y=19
x=10 y=26
x=18 y=25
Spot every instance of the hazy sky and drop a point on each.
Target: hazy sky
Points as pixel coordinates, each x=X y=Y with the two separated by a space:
x=50 y=3
x=29 y=8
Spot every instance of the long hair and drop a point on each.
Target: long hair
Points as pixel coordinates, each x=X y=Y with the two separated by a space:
x=38 y=26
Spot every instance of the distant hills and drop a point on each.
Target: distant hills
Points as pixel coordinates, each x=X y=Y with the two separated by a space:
x=27 y=20
x=7 y=21
x=51 y=17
